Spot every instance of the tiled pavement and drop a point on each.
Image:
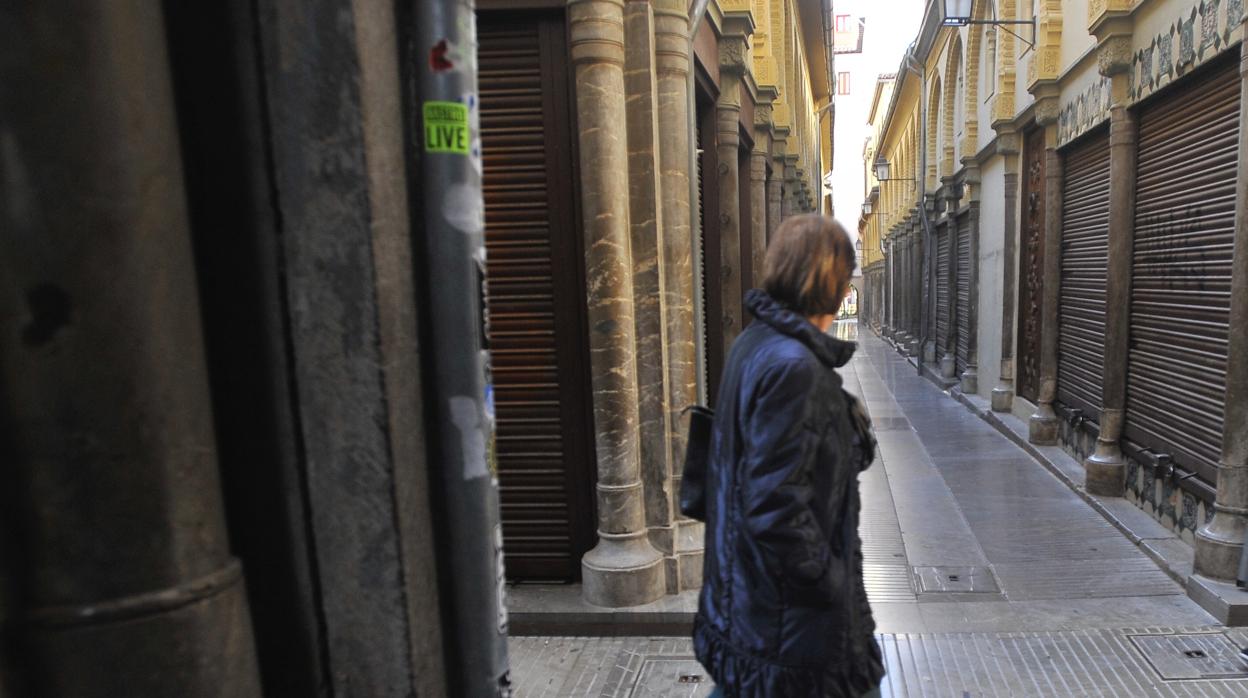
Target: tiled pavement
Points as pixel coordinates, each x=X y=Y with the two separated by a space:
x=1046 y=599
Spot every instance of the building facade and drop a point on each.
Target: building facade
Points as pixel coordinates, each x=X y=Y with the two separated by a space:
x=1064 y=236
x=632 y=175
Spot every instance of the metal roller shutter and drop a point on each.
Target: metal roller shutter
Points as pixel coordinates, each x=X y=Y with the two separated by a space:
x=545 y=464
x=1180 y=297
x=943 y=244
x=963 y=348
x=1084 y=259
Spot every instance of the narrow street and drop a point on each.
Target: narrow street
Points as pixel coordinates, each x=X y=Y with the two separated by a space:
x=988 y=577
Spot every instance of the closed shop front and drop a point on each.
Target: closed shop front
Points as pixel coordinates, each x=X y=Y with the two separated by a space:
x=962 y=346
x=944 y=242
x=1084 y=260
x=1180 y=296
x=535 y=287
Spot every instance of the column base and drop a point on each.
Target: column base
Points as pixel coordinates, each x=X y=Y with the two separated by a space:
x=622 y=570
x=1219 y=545
x=1042 y=427
x=912 y=347
x=1105 y=472
x=929 y=352
x=948 y=367
x=1003 y=399
x=970 y=381
x=690 y=539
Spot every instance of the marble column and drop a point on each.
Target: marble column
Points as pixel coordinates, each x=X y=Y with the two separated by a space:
x=1003 y=392
x=1219 y=543
x=949 y=360
x=970 y=377
x=916 y=282
x=623 y=569
x=671 y=37
x=645 y=221
x=1105 y=469
x=775 y=186
x=1043 y=425
x=110 y=457
x=732 y=60
x=759 y=194
x=792 y=187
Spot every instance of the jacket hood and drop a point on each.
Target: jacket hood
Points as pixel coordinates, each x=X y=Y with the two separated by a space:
x=829 y=350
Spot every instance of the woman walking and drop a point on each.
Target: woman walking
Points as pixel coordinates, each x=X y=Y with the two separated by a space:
x=783 y=612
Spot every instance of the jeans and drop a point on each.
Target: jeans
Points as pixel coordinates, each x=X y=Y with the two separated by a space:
x=873 y=693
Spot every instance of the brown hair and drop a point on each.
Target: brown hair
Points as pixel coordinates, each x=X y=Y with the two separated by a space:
x=801 y=267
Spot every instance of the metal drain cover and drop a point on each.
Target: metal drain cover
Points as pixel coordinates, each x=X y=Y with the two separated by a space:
x=964 y=580
x=1191 y=656
x=671 y=676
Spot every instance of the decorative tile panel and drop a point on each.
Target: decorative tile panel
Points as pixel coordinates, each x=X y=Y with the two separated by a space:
x=1202 y=31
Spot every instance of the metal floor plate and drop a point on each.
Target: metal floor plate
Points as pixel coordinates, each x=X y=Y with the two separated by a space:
x=1191 y=656
x=964 y=580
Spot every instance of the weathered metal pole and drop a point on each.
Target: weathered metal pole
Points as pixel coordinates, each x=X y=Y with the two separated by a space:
x=454 y=246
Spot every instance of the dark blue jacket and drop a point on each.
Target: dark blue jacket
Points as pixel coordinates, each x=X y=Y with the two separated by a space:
x=783 y=612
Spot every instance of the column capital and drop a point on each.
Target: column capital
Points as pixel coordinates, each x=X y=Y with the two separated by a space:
x=596 y=30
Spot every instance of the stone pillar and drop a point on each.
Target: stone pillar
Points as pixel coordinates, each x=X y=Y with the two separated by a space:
x=970 y=377
x=778 y=195
x=916 y=282
x=110 y=457
x=759 y=194
x=1042 y=427
x=1003 y=392
x=623 y=569
x=671 y=36
x=732 y=59
x=949 y=361
x=1219 y=543
x=792 y=187
x=1105 y=469
x=645 y=221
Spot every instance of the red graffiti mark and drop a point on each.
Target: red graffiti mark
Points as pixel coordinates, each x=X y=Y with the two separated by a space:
x=438 y=61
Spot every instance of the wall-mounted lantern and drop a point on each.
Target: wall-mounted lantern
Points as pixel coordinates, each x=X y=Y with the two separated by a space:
x=958 y=13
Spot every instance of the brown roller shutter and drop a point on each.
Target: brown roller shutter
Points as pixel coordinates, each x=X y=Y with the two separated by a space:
x=963 y=348
x=533 y=278
x=1084 y=259
x=943 y=254
x=1180 y=296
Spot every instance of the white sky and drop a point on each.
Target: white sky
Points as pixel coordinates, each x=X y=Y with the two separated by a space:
x=890 y=27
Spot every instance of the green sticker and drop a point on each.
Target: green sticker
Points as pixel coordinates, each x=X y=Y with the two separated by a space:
x=446 y=128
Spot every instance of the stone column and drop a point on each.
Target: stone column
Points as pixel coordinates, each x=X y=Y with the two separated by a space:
x=1042 y=427
x=792 y=187
x=671 y=37
x=732 y=59
x=759 y=194
x=1003 y=392
x=970 y=377
x=1219 y=543
x=777 y=196
x=110 y=457
x=645 y=221
x=916 y=282
x=949 y=360
x=1105 y=469
x=623 y=569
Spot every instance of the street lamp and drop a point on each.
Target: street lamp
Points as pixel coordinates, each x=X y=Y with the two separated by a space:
x=866 y=208
x=958 y=13
x=882 y=169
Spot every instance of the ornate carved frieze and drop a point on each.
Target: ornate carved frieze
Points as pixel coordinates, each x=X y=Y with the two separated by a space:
x=1199 y=33
x=1084 y=112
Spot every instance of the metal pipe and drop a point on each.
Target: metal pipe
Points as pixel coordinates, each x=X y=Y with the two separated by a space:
x=461 y=414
